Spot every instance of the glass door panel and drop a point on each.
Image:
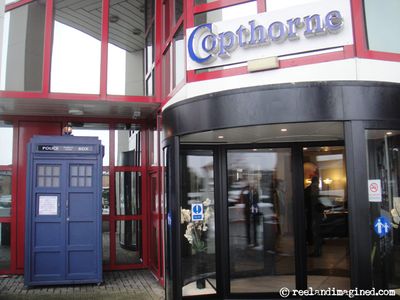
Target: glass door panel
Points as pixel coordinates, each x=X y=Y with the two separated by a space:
x=198 y=224
x=260 y=206
x=326 y=217
x=384 y=201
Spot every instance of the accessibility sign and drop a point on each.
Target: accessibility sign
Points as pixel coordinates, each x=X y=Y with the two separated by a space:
x=382 y=226
x=197 y=212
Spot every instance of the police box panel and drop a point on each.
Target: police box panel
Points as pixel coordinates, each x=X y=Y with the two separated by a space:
x=63 y=211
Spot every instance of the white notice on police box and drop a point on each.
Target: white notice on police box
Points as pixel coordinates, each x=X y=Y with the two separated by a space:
x=48 y=205
x=374 y=190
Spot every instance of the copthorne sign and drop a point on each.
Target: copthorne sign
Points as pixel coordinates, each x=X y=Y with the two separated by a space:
x=317 y=26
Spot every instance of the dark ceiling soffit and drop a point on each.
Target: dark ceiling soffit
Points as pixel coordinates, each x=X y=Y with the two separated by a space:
x=285 y=103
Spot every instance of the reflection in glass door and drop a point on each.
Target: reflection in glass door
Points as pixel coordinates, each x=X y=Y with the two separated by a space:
x=383 y=148
x=260 y=206
x=326 y=217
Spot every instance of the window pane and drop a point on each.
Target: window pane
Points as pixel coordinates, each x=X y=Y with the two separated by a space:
x=178 y=9
x=179 y=57
x=127 y=145
x=128 y=193
x=149 y=50
x=326 y=217
x=5 y=238
x=226 y=13
x=380 y=29
x=75 y=64
x=167 y=74
x=260 y=205
x=198 y=236
x=126 y=48
x=5 y=193
x=282 y=4
x=97 y=130
x=48 y=176
x=23 y=38
x=204 y=1
x=153 y=147
x=6 y=152
x=149 y=11
x=106 y=242
x=150 y=85
x=384 y=201
x=128 y=242
x=105 y=194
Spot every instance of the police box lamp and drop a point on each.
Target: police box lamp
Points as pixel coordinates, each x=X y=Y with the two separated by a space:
x=67 y=130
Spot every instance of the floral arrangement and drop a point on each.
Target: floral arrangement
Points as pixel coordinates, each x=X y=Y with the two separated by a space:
x=195 y=230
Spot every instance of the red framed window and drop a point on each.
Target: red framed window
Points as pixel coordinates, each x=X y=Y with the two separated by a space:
x=7 y=199
x=375 y=29
x=173 y=49
x=89 y=51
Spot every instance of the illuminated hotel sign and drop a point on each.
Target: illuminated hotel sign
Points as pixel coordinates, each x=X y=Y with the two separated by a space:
x=317 y=26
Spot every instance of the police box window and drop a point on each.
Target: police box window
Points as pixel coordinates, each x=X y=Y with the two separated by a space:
x=381 y=25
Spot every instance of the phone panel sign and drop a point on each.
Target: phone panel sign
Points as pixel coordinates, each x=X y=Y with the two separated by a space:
x=382 y=226
x=197 y=212
x=374 y=190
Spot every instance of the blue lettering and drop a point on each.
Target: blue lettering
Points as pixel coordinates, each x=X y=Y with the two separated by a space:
x=227 y=43
x=277 y=32
x=334 y=21
x=193 y=39
x=314 y=26
x=242 y=34
x=293 y=24
x=257 y=34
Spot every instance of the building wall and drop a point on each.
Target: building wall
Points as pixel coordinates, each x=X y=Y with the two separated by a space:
x=342 y=70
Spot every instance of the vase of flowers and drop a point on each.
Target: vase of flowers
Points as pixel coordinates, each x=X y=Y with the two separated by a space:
x=195 y=234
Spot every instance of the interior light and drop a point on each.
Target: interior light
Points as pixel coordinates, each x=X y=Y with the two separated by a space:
x=283 y=129
x=389 y=133
x=76 y=112
x=220 y=136
x=327 y=181
x=305 y=148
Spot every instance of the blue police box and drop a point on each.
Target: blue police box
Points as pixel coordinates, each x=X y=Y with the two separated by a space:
x=63 y=239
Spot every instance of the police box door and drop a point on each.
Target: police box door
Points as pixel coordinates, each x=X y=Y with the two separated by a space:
x=64 y=232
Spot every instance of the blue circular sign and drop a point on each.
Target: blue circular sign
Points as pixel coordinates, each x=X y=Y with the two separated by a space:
x=197 y=209
x=382 y=226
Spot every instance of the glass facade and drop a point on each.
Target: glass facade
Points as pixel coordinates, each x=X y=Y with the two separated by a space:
x=128 y=241
x=198 y=236
x=226 y=13
x=6 y=133
x=22 y=51
x=379 y=21
x=75 y=60
x=260 y=205
x=384 y=202
x=127 y=46
x=127 y=145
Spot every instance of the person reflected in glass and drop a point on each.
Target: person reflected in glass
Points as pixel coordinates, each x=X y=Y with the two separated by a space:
x=314 y=215
x=251 y=198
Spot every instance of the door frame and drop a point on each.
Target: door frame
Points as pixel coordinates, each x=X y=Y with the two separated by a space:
x=357 y=179
x=221 y=210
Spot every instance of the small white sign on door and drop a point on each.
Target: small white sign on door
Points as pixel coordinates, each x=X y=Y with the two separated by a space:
x=48 y=206
x=374 y=190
